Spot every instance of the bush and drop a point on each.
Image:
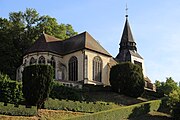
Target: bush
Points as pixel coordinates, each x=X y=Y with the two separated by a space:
x=87 y=107
x=10 y=91
x=21 y=110
x=127 y=78
x=37 y=83
x=122 y=113
x=62 y=92
x=176 y=111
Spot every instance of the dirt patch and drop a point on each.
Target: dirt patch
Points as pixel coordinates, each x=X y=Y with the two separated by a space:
x=44 y=114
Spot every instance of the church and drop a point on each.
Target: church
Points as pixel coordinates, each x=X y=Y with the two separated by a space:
x=81 y=59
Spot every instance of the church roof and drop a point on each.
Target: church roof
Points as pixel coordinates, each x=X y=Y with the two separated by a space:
x=135 y=54
x=127 y=34
x=47 y=43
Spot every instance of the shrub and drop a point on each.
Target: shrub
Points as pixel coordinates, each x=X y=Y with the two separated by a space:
x=88 y=107
x=122 y=113
x=10 y=91
x=127 y=78
x=37 y=82
x=62 y=92
x=176 y=111
x=21 y=110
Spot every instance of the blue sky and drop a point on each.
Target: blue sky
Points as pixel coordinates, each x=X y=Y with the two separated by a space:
x=155 y=25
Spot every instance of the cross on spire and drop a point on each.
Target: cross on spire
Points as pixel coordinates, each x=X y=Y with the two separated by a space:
x=126 y=10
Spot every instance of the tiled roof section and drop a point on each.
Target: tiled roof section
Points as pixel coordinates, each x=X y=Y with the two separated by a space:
x=92 y=44
x=47 y=43
x=74 y=43
x=127 y=34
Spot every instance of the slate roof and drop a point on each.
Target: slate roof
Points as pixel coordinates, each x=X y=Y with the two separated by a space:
x=136 y=54
x=47 y=43
x=127 y=34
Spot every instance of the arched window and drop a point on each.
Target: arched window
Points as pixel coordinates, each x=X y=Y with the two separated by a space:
x=41 y=60
x=97 y=69
x=73 y=69
x=32 y=61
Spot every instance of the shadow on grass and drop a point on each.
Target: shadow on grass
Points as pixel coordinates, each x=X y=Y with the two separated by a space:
x=152 y=117
x=142 y=110
x=112 y=97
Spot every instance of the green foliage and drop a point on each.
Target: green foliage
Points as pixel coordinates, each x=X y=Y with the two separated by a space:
x=127 y=78
x=171 y=89
x=20 y=31
x=174 y=103
x=21 y=110
x=10 y=91
x=166 y=87
x=62 y=92
x=87 y=107
x=122 y=113
x=37 y=83
x=174 y=97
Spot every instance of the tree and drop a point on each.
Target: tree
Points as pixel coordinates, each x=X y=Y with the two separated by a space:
x=168 y=86
x=127 y=78
x=20 y=32
x=37 y=82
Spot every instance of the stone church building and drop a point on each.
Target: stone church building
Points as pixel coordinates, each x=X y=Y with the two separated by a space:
x=81 y=59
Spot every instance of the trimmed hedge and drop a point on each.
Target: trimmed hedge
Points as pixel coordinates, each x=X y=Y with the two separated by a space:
x=37 y=82
x=87 y=107
x=10 y=91
x=20 y=110
x=127 y=78
x=122 y=113
x=62 y=92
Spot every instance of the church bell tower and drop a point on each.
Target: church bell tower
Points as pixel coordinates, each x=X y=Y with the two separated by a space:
x=128 y=48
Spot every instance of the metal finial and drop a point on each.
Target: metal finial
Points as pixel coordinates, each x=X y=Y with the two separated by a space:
x=126 y=10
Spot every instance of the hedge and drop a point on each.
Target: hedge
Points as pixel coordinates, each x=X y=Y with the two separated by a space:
x=20 y=110
x=10 y=91
x=122 y=113
x=62 y=92
x=77 y=106
x=37 y=82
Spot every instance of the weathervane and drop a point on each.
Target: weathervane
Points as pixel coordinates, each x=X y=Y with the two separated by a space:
x=126 y=10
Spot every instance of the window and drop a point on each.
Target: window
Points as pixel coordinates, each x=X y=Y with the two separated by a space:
x=32 y=61
x=97 y=69
x=41 y=60
x=73 y=69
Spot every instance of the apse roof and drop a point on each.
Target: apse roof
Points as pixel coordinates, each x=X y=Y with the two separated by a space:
x=47 y=43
